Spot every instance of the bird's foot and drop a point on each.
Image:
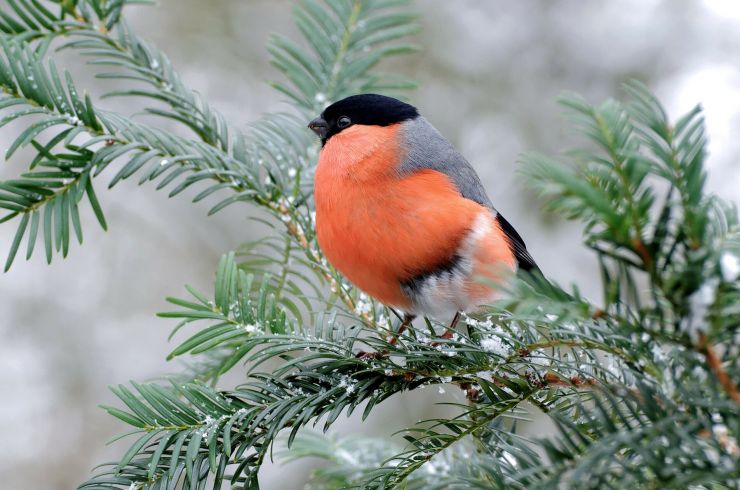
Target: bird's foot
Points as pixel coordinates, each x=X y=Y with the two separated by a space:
x=366 y=356
x=449 y=331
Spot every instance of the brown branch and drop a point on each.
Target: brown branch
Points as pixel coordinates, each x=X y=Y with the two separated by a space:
x=642 y=251
x=552 y=379
x=526 y=350
x=715 y=364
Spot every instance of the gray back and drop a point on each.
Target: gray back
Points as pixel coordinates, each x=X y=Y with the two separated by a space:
x=426 y=148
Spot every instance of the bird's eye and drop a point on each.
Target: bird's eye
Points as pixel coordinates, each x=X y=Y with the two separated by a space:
x=343 y=122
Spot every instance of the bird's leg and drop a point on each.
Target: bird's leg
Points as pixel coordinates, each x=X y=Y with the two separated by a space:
x=407 y=319
x=451 y=328
x=449 y=331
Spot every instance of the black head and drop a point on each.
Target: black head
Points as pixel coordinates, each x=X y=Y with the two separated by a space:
x=366 y=109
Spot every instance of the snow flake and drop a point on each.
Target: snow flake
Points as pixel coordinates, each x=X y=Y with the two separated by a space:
x=570 y=326
x=509 y=458
x=347 y=383
x=699 y=373
x=210 y=425
x=484 y=324
x=729 y=265
x=699 y=303
x=448 y=351
x=363 y=306
x=252 y=328
x=509 y=391
x=540 y=358
x=495 y=345
x=658 y=353
x=729 y=443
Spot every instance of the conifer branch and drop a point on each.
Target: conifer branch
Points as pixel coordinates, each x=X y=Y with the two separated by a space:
x=640 y=386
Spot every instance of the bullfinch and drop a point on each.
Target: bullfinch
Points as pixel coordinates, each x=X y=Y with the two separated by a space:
x=403 y=215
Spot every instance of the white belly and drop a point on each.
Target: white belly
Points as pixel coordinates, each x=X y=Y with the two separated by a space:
x=448 y=291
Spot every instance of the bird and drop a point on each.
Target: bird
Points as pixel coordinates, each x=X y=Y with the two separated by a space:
x=404 y=216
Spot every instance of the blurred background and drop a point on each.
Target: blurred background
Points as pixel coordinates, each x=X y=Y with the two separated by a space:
x=489 y=73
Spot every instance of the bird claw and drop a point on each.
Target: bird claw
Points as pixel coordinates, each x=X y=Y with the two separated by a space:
x=445 y=336
x=366 y=356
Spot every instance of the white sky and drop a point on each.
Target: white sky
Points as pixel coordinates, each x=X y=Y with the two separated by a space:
x=728 y=9
x=716 y=85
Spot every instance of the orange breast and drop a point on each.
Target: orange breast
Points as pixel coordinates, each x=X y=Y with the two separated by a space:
x=376 y=228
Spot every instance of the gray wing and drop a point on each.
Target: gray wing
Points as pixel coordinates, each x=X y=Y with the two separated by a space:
x=426 y=148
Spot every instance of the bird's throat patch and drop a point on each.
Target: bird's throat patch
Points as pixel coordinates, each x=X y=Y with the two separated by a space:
x=360 y=152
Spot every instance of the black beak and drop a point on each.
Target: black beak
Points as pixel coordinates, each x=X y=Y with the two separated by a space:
x=320 y=127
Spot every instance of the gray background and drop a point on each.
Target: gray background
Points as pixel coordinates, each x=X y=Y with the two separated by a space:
x=489 y=73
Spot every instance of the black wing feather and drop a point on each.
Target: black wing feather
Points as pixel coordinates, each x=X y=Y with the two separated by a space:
x=523 y=258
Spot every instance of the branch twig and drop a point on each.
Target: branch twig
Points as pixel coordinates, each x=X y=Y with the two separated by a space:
x=715 y=364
